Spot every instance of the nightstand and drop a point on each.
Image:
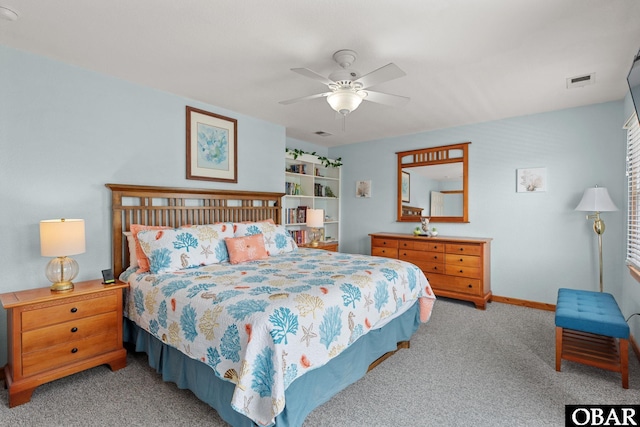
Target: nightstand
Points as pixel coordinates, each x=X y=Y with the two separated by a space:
x=327 y=246
x=51 y=335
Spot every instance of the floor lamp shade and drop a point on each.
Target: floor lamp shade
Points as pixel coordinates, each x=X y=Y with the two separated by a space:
x=60 y=238
x=597 y=200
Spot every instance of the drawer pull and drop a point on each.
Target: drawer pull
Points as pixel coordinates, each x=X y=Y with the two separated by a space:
x=384 y=243
x=461 y=249
x=74 y=329
x=461 y=260
x=461 y=271
x=74 y=309
x=470 y=286
x=74 y=350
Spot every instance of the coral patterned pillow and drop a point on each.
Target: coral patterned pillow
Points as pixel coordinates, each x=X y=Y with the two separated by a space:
x=175 y=249
x=276 y=238
x=242 y=249
x=143 y=261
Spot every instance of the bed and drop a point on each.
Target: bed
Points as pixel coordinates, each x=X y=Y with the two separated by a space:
x=233 y=310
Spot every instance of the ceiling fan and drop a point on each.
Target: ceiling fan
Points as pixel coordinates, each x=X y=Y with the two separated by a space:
x=347 y=87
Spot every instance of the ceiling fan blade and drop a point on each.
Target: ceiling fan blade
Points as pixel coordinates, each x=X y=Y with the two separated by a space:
x=383 y=74
x=386 y=98
x=304 y=98
x=312 y=75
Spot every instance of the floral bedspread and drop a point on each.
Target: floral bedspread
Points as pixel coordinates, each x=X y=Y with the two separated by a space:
x=262 y=324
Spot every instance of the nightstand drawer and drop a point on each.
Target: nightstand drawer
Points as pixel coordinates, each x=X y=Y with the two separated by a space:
x=69 y=352
x=38 y=339
x=57 y=313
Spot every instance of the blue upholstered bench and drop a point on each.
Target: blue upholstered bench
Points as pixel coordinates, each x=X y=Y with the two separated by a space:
x=590 y=329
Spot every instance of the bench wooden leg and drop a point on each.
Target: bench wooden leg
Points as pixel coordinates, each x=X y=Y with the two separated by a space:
x=624 y=362
x=558 y=348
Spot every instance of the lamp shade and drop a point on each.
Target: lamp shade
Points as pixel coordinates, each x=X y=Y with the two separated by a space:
x=344 y=101
x=315 y=218
x=61 y=237
x=596 y=199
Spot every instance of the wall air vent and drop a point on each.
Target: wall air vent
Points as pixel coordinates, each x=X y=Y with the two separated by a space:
x=322 y=133
x=580 y=81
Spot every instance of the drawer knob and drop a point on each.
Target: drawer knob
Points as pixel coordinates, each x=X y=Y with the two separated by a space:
x=74 y=309
x=74 y=350
x=470 y=286
x=74 y=329
x=461 y=249
x=461 y=260
x=461 y=271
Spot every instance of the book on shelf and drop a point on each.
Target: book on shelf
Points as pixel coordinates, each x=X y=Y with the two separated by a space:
x=298 y=168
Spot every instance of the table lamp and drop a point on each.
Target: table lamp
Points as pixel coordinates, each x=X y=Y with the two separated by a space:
x=60 y=238
x=315 y=221
x=597 y=200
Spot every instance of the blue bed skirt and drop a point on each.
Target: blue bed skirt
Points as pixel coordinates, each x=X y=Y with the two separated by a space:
x=303 y=395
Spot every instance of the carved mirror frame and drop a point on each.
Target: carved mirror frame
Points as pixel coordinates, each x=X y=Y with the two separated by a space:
x=428 y=157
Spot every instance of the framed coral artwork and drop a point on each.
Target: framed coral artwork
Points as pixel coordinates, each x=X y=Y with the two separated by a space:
x=212 y=146
x=531 y=180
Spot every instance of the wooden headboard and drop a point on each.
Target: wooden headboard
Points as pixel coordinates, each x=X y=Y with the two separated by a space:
x=174 y=207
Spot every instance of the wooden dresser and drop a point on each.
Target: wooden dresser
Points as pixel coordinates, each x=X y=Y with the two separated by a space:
x=51 y=335
x=456 y=267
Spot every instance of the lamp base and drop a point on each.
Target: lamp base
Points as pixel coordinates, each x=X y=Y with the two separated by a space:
x=62 y=286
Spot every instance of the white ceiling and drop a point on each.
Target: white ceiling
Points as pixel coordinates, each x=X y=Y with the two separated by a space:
x=467 y=61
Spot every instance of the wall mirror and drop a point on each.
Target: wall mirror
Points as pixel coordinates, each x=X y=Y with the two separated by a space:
x=433 y=182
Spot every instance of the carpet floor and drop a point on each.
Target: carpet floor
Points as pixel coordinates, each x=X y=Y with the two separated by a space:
x=465 y=367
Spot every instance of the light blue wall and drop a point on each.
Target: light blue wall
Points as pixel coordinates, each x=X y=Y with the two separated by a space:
x=540 y=242
x=65 y=132
x=630 y=297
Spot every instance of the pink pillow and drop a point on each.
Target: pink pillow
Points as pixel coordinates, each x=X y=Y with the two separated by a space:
x=143 y=261
x=249 y=248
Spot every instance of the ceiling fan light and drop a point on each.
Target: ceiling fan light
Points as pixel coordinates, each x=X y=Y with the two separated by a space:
x=344 y=102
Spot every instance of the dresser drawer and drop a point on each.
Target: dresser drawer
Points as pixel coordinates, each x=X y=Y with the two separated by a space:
x=38 y=339
x=429 y=246
x=385 y=252
x=463 y=260
x=462 y=271
x=384 y=243
x=411 y=255
x=69 y=352
x=454 y=284
x=44 y=316
x=463 y=248
x=406 y=244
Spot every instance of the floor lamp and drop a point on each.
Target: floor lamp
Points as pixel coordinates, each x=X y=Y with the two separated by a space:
x=597 y=200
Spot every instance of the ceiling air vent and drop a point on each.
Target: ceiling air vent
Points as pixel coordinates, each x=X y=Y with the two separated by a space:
x=322 y=133
x=580 y=81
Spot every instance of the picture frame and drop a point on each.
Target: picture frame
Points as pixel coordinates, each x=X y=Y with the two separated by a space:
x=363 y=189
x=212 y=146
x=406 y=187
x=531 y=180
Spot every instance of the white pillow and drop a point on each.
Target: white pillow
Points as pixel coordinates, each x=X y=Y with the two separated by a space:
x=131 y=244
x=178 y=248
